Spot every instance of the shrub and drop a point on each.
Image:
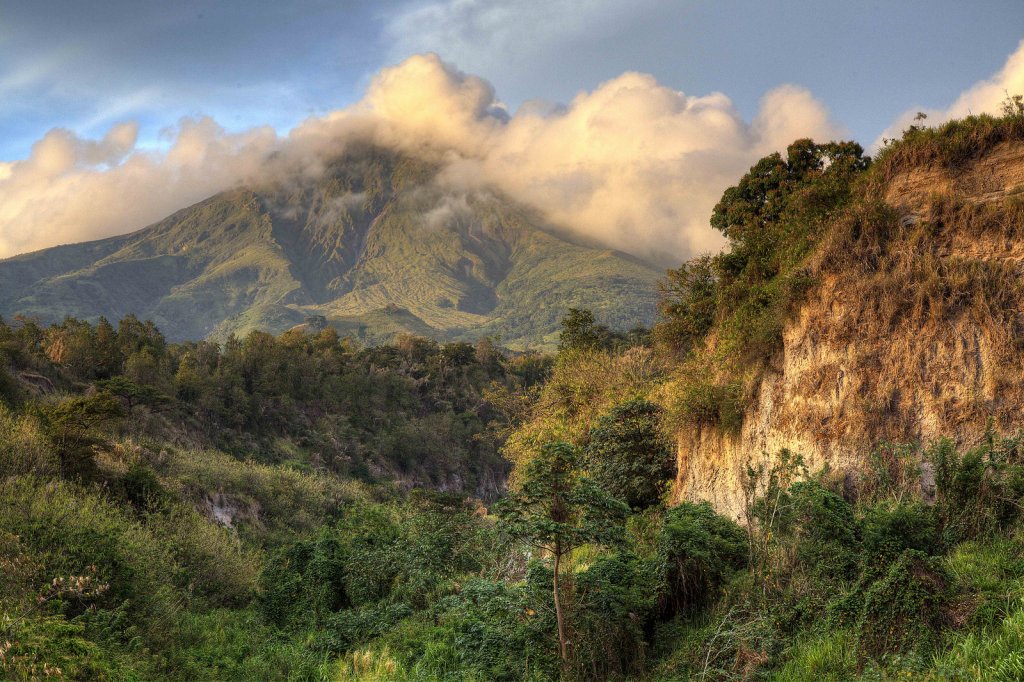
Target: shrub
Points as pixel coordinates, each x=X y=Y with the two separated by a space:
x=141 y=488
x=977 y=492
x=303 y=582
x=346 y=629
x=890 y=529
x=225 y=644
x=24 y=448
x=905 y=609
x=612 y=605
x=697 y=551
x=214 y=566
x=697 y=399
x=628 y=456
x=824 y=528
x=74 y=532
x=687 y=304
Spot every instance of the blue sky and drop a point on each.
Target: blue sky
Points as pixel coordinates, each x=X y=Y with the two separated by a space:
x=87 y=65
x=622 y=121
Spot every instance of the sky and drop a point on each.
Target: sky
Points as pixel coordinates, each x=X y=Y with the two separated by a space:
x=132 y=95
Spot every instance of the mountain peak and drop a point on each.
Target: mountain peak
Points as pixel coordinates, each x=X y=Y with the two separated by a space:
x=374 y=231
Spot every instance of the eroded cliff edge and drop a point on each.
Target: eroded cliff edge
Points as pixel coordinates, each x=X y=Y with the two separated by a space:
x=912 y=330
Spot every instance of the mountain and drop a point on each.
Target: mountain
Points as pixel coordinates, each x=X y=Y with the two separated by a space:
x=373 y=244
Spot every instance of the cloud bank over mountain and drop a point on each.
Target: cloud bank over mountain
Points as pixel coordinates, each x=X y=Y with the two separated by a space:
x=631 y=164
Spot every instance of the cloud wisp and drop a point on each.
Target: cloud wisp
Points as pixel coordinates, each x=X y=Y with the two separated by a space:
x=984 y=97
x=633 y=165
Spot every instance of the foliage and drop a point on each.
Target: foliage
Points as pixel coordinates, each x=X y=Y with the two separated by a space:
x=977 y=491
x=824 y=529
x=558 y=510
x=772 y=218
x=698 y=551
x=906 y=607
x=74 y=428
x=612 y=604
x=628 y=455
x=688 y=305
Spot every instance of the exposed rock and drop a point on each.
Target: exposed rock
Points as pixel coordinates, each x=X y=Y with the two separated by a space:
x=227 y=511
x=929 y=344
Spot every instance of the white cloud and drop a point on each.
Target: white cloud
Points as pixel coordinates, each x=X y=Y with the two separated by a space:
x=633 y=164
x=984 y=97
x=70 y=189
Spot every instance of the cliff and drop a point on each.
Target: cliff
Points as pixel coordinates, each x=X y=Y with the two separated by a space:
x=912 y=328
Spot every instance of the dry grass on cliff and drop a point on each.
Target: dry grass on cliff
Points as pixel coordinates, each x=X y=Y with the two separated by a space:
x=932 y=303
x=961 y=259
x=948 y=145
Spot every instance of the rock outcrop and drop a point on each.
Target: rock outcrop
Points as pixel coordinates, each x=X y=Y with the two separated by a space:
x=913 y=331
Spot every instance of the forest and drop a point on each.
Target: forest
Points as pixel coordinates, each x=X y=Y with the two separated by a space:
x=301 y=507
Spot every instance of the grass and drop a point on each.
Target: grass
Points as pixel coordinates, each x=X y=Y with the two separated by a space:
x=829 y=657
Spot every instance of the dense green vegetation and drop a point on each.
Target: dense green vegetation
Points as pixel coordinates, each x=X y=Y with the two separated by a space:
x=150 y=492
x=303 y=507
x=162 y=521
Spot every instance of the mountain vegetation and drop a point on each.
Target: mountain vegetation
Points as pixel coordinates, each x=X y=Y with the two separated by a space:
x=304 y=506
x=374 y=244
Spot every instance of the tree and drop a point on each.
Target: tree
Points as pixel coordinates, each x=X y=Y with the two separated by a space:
x=580 y=331
x=108 y=355
x=556 y=510
x=628 y=456
x=75 y=428
x=132 y=393
x=750 y=214
x=687 y=304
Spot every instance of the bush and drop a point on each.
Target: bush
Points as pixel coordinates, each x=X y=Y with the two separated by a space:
x=628 y=456
x=905 y=609
x=889 y=530
x=304 y=582
x=347 y=629
x=24 y=448
x=825 y=530
x=698 y=400
x=697 y=551
x=978 y=491
x=504 y=631
x=214 y=566
x=611 y=607
x=224 y=644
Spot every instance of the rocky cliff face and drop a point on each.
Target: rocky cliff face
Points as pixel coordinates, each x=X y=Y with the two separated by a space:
x=913 y=331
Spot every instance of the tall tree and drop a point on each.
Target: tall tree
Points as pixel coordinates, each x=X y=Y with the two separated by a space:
x=580 y=330
x=556 y=510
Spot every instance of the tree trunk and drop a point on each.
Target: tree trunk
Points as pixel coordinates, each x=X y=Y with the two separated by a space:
x=563 y=645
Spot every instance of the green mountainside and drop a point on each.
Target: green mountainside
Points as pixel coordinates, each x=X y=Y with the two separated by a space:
x=373 y=244
x=305 y=507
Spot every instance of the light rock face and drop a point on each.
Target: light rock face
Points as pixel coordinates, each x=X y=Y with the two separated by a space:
x=927 y=342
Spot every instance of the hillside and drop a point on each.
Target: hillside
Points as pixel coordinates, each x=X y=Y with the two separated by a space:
x=907 y=327
x=373 y=244
x=842 y=385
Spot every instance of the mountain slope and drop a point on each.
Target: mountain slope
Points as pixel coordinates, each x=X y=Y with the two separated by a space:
x=373 y=244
